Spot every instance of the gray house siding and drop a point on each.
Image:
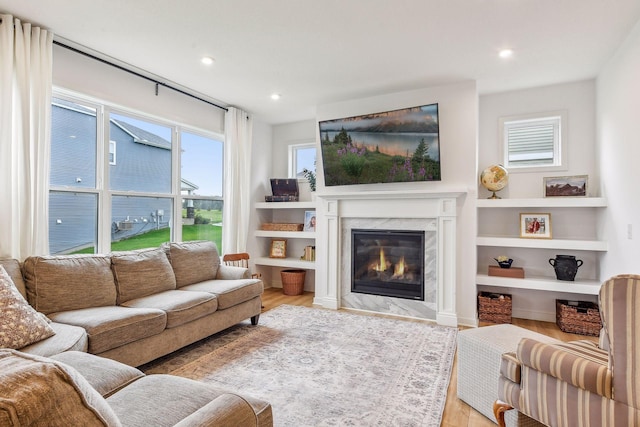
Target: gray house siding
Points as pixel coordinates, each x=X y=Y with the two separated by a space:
x=143 y=163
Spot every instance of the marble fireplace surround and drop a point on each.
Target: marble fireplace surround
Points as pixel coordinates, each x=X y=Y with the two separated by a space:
x=433 y=212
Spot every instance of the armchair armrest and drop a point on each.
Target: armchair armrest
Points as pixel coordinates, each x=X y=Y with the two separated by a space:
x=226 y=410
x=229 y=272
x=579 y=363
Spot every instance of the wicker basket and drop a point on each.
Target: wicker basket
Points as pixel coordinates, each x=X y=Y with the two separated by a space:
x=578 y=317
x=292 y=281
x=270 y=226
x=494 y=308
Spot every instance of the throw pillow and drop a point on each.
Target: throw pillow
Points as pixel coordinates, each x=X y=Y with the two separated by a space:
x=20 y=324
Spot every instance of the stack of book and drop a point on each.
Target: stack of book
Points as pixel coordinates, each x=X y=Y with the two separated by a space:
x=309 y=253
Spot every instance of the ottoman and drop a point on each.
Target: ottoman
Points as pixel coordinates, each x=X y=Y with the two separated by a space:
x=479 y=356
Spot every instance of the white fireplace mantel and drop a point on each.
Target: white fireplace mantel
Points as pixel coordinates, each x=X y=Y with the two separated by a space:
x=335 y=207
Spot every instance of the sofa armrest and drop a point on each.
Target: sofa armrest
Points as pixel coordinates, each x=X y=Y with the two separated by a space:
x=226 y=410
x=229 y=272
x=579 y=363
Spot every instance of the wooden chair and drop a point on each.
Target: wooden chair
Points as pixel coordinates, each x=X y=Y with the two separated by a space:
x=239 y=260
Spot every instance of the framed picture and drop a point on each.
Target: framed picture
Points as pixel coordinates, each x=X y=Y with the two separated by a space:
x=309 y=221
x=278 y=248
x=566 y=186
x=535 y=225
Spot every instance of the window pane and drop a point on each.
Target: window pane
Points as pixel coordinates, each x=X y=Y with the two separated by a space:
x=143 y=155
x=305 y=159
x=201 y=163
x=73 y=222
x=73 y=144
x=202 y=220
x=139 y=222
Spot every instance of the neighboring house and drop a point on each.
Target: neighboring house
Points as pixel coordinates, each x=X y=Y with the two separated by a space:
x=139 y=161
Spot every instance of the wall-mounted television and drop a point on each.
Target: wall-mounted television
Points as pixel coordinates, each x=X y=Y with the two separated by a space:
x=392 y=146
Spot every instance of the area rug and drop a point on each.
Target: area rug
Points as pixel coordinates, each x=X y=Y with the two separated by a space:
x=322 y=367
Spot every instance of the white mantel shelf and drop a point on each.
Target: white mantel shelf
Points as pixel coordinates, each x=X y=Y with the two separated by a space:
x=395 y=194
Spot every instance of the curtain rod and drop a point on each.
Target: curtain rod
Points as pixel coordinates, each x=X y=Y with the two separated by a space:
x=120 y=67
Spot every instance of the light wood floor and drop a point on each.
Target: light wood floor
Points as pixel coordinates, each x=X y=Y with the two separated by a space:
x=456 y=412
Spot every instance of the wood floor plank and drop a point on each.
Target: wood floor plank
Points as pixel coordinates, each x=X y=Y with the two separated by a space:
x=456 y=412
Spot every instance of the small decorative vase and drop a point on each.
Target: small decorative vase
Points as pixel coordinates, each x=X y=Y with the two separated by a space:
x=504 y=264
x=565 y=266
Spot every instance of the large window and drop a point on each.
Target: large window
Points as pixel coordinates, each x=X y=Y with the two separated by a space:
x=534 y=142
x=100 y=202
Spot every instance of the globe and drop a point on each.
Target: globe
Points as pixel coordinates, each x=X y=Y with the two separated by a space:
x=494 y=178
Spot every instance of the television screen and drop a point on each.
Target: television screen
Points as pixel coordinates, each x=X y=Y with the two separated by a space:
x=393 y=146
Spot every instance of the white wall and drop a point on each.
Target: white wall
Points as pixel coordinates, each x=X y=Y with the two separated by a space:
x=78 y=73
x=618 y=153
x=458 y=115
x=577 y=98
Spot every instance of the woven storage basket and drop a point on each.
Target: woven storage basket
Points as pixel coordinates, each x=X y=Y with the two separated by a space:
x=292 y=281
x=494 y=308
x=270 y=226
x=578 y=317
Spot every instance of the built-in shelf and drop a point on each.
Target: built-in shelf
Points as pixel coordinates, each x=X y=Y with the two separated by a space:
x=285 y=205
x=568 y=244
x=286 y=234
x=546 y=202
x=286 y=262
x=540 y=283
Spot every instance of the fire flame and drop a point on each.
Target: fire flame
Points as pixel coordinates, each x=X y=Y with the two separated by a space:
x=398 y=271
x=382 y=266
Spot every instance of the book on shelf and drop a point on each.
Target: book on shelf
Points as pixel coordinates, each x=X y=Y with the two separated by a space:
x=309 y=253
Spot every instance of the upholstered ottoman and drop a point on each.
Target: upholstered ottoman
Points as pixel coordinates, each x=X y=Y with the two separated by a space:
x=479 y=356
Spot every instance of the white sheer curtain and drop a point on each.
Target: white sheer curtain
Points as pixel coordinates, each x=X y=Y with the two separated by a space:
x=237 y=174
x=25 y=128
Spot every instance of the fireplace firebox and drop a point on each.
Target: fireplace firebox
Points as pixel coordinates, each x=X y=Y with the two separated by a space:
x=388 y=263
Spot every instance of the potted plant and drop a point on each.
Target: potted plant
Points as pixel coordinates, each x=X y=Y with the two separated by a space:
x=311 y=177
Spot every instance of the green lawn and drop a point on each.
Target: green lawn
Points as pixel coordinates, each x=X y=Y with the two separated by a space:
x=155 y=238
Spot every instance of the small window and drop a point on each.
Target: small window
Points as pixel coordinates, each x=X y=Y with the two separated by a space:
x=112 y=152
x=301 y=157
x=534 y=141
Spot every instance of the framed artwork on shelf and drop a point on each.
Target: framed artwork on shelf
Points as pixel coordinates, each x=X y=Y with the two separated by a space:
x=309 y=221
x=278 y=248
x=535 y=225
x=566 y=186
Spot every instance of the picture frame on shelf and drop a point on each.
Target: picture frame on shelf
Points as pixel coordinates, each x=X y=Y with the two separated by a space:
x=535 y=225
x=278 y=248
x=566 y=186
x=309 y=221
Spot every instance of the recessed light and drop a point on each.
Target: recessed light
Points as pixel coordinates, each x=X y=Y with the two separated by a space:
x=207 y=60
x=505 y=53
x=275 y=96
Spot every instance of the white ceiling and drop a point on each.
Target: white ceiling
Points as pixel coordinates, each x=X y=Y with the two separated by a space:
x=323 y=51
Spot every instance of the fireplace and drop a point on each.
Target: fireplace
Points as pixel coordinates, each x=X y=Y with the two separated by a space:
x=388 y=263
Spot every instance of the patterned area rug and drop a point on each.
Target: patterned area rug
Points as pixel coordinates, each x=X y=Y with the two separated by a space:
x=328 y=368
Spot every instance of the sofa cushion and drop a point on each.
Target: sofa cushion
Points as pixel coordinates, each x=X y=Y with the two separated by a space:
x=12 y=266
x=229 y=292
x=111 y=327
x=67 y=338
x=174 y=398
x=106 y=376
x=20 y=324
x=181 y=306
x=69 y=282
x=141 y=272
x=193 y=261
x=42 y=392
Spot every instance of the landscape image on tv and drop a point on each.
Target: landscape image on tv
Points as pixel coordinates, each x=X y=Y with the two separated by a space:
x=393 y=146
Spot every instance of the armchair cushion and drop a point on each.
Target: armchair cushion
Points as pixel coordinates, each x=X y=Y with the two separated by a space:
x=579 y=363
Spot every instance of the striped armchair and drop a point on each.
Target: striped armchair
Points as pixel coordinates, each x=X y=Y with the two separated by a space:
x=578 y=383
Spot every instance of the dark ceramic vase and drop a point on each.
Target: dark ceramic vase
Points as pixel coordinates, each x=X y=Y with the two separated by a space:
x=566 y=266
